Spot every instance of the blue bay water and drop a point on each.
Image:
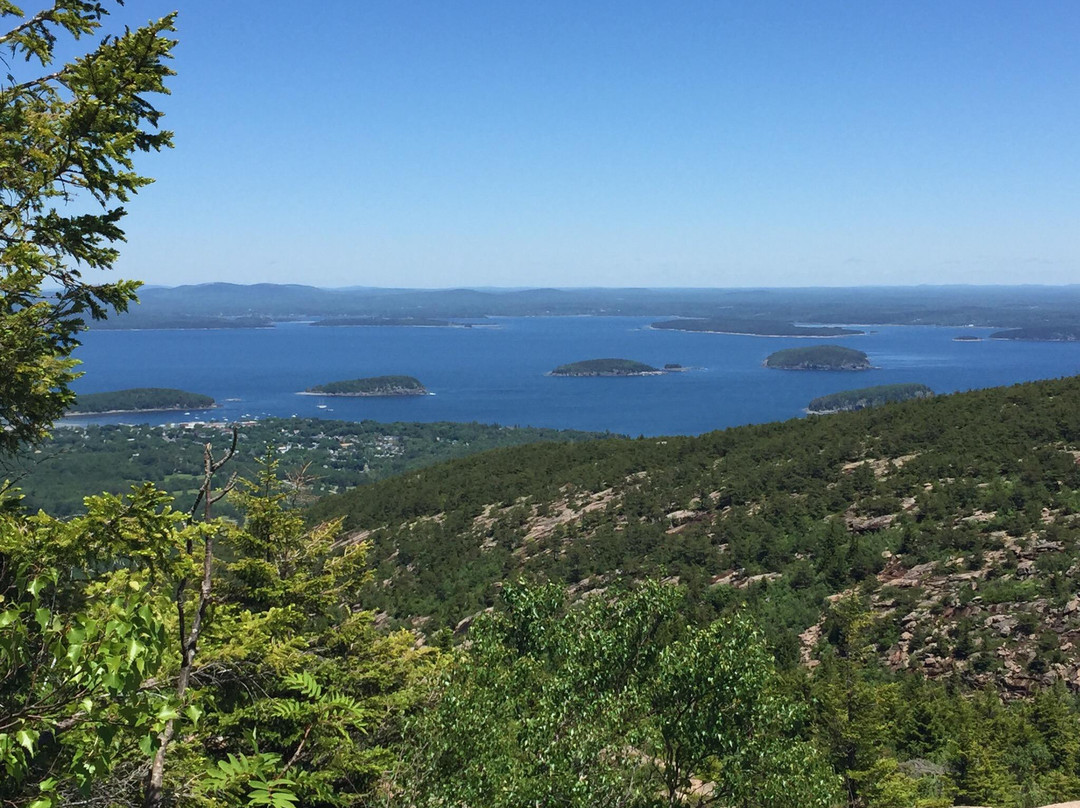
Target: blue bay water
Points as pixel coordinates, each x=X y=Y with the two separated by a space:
x=497 y=374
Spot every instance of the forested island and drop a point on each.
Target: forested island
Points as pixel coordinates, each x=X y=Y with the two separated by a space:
x=967 y=338
x=607 y=367
x=371 y=386
x=139 y=399
x=754 y=328
x=1048 y=333
x=818 y=357
x=848 y=400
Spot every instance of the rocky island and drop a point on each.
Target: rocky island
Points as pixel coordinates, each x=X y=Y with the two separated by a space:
x=139 y=399
x=370 y=386
x=819 y=357
x=753 y=328
x=849 y=400
x=607 y=367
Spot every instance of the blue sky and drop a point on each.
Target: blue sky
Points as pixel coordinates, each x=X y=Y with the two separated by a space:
x=397 y=143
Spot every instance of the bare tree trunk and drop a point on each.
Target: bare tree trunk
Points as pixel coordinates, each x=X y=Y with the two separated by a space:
x=189 y=639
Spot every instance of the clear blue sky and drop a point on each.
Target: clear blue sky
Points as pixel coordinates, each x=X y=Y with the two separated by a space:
x=697 y=143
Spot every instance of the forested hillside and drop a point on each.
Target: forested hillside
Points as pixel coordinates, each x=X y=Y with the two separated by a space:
x=968 y=501
x=930 y=545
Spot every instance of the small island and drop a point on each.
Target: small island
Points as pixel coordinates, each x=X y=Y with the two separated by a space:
x=849 y=400
x=1045 y=333
x=819 y=357
x=753 y=328
x=370 y=386
x=967 y=338
x=607 y=367
x=139 y=399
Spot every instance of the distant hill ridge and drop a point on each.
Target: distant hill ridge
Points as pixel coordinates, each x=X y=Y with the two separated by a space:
x=1014 y=307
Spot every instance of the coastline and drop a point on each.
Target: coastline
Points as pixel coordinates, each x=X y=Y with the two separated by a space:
x=422 y=392
x=398 y=325
x=608 y=375
x=766 y=336
x=766 y=365
x=96 y=413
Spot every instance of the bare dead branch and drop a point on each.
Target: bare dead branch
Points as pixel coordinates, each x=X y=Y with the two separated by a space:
x=189 y=637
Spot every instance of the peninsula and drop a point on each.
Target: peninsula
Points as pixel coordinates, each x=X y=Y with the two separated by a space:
x=1047 y=333
x=139 y=399
x=819 y=357
x=370 y=386
x=862 y=398
x=754 y=328
x=607 y=367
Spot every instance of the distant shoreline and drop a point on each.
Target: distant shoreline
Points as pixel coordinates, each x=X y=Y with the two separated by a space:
x=368 y=395
x=186 y=328
x=766 y=336
x=608 y=375
x=90 y=414
x=765 y=364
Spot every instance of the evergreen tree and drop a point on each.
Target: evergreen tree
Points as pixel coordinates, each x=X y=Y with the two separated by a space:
x=66 y=168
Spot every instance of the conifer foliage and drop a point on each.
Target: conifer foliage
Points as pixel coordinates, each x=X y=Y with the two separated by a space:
x=70 y=135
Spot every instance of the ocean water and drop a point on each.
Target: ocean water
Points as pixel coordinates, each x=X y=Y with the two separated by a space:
x=496 y=373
